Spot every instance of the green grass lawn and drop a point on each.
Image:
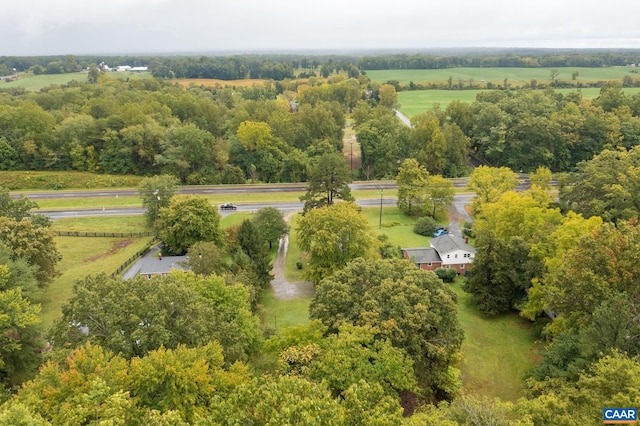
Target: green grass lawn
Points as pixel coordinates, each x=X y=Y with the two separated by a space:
x=397 y=226
x=82 y=256
x=413 y=102
x=497 y=351
x=277 y=314
x=101 y=224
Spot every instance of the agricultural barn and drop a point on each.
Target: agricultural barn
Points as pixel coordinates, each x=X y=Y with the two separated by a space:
x=447 y=251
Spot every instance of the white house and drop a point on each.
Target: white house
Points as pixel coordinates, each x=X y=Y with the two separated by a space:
x=447 y=251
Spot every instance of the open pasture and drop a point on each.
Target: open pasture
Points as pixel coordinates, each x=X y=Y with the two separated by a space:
x=32 y=82
x=480 y=76
x=413 y=102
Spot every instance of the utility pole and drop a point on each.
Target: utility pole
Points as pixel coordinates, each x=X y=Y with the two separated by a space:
x=351 y=143
x=381 y=191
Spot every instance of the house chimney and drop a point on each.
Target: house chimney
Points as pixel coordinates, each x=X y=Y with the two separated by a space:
x=466 y=240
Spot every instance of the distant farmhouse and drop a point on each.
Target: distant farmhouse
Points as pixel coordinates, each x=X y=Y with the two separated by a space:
x=122 y=68
x=447 y=251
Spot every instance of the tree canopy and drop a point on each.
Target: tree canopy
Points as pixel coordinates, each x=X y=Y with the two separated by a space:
x=411 y=308
x=332 y=236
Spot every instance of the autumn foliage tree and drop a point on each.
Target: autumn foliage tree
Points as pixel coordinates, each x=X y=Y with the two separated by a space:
x=332 y=236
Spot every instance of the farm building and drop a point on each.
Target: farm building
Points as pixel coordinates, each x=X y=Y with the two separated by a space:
x=447 y=251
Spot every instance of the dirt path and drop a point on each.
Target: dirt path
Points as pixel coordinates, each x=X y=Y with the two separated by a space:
x=282 y=288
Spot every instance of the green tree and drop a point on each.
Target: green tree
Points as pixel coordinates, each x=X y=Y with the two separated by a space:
x=606 y=186
x=186 y=221
x=33 y=243
x=277 y=401
x=494 y=284
x=388 y=96
x=490 y=183
x=20 y=344
x=438 y=195
x=156 y=192
x=252 y=243
x=429 y=145
x=332 y=236
x=329 y=179
x=412 y=180
x=581 y=403
x=206 y=258
x=271 y=224
x=354 y=355
x=140 y=315
x=187 y=153
x=411 y=308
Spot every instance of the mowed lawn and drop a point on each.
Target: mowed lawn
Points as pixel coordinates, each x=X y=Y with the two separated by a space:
x=497 y=351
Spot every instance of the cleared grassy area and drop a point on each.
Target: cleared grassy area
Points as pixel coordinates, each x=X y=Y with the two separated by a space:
x=497 y=75
x=277 y=314
x=497 y=351
x=81 y=257
x=101 y=224
x=413 y=102
x=34 y=82
x=397 y=226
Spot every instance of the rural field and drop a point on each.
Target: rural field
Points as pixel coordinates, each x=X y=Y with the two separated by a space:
x=34 y=82
x=497 y=75
x=413 y=102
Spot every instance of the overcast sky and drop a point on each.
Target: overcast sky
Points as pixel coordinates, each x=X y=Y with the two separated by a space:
x=43 y=27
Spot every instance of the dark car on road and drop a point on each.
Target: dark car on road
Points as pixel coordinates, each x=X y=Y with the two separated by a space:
x=228 y=206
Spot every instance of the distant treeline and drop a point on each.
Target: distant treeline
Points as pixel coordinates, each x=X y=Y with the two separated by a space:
x=541 y=59
x=283 y=66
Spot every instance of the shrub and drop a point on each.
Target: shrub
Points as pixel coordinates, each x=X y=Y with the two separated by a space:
x=446 y=275
x=467 y=229
x=425 y=226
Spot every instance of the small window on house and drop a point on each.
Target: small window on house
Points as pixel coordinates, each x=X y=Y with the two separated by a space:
x=456 y=255
x=429 y=264
x=462 y=266
x=448 y=256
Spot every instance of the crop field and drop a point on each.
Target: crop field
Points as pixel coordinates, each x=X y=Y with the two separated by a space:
x=497 y=75
x=413 y=102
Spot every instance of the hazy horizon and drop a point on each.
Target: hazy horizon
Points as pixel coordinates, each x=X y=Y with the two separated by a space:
x=38 y=27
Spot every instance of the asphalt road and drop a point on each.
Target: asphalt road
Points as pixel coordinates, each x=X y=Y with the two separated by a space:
x=213 y=189
x=285 y=207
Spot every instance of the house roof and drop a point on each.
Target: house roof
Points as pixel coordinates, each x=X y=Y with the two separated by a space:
x=156 y=265
x=448 y=243
x=422 y=254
